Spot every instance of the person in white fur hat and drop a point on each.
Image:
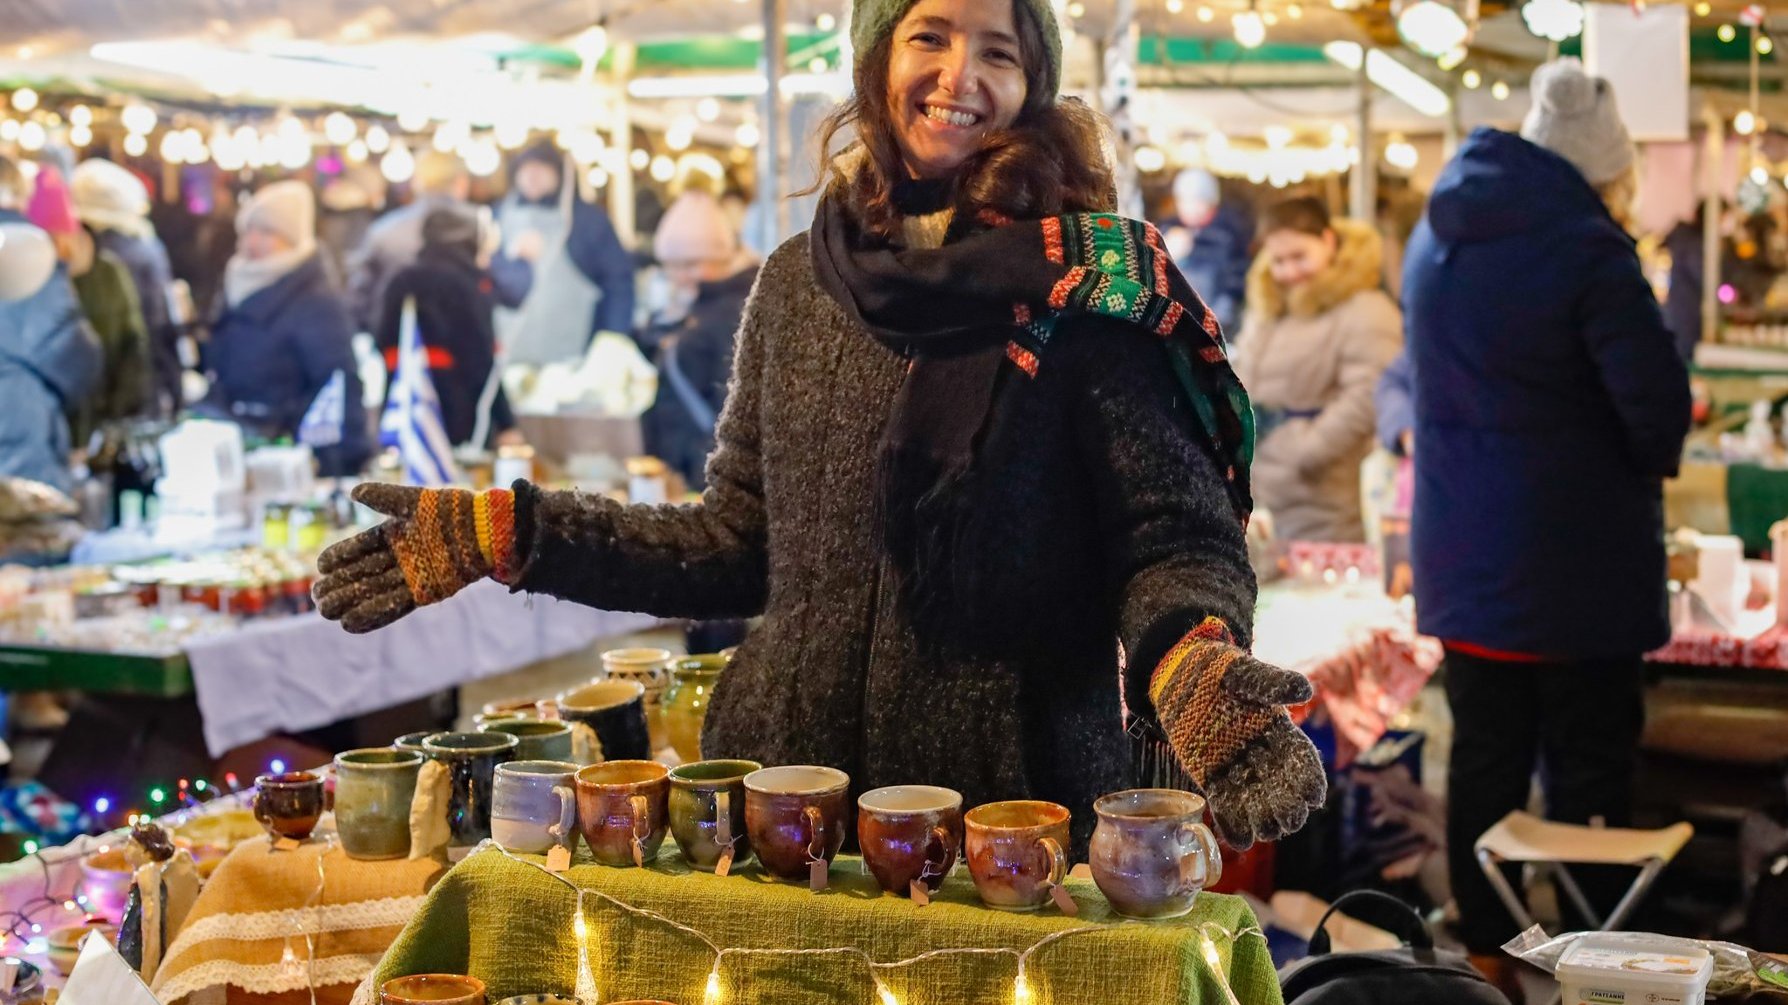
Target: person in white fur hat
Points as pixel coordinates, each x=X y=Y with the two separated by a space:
x=113 y=204
x=284 y=333
x=691 y=338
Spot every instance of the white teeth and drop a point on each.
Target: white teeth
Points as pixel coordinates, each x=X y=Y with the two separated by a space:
x=953 y=118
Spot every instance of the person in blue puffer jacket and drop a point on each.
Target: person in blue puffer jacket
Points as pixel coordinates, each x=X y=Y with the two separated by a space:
x=1550 y=405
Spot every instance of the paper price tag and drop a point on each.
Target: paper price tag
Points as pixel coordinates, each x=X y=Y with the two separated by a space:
x=558 y=859
x=817 y=877
x=921 y=893
x=285 y=844
x=639 y=855
x=1064 y=901
x=725 y=866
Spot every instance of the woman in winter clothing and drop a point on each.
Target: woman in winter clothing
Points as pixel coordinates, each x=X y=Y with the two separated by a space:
x=108 y=302
x=284 y=334
x=1550 y=403
x=691 y=340
x=979 y=433
x=112 y=203
x=454 y=300
x=49 y=359
x=1320 y=331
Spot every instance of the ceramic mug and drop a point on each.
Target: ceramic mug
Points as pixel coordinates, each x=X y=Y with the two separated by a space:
x=909 y=833
x=529 y=800
x=795 y=816
x=707 y=811
x=1151 y=853
x=651 y=669
x=290 y=804
x=616 y=711
x=432 y=989
x=623 y=810
x=1015 y=852
x=413 y=741
x=542 y=998
x=373 y=791
x=540 y=740
x=514 y=708
x=471 y=760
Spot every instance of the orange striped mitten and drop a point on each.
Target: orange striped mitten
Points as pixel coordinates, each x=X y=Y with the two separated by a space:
x=437 y=542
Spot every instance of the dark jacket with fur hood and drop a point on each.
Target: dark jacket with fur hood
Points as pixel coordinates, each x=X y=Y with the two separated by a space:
x=1115 y=527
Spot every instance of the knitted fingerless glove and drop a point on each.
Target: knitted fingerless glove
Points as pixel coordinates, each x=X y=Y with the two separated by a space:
x=437 y=542
x=1223 y=712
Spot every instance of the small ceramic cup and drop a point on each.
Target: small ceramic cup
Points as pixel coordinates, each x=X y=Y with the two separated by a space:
x=796 y=816
x=707 y=811
x=616 y=711
x=1151 y=853
x=623 y=810
x=1016 y=852
x=530 y=799
x=651 y=668
x=910 y=833
x=413 y=741
x=289 y=804
x=432 y=989
x=540 y=740
x=471 y=760
x=542 y=999
x=373 y=791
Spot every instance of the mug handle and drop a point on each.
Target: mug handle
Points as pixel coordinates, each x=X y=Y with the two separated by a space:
x=1058 y=860
x=723 y=818
x=816 y=834
x=566 y=829
x=941 y=863
x=1198 y=840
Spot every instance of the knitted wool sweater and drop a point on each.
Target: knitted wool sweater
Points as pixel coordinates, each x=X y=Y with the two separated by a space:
x=1116 y=528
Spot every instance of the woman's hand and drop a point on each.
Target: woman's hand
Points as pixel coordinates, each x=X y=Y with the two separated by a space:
x=437 y=542
x=1224 y=715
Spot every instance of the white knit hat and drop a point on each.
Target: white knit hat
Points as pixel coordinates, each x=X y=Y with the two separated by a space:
x=1574 y=116
x=694 y=229
x=286 y=208
x=108 y=196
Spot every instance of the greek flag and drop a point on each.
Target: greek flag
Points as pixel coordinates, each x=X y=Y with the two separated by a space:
x=323 y=420
x=412 y=419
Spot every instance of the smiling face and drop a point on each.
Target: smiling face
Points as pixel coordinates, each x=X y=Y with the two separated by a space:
x=1296 y=256
x=955 y=74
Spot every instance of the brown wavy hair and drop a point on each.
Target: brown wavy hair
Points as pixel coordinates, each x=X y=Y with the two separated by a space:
x=1050 y=161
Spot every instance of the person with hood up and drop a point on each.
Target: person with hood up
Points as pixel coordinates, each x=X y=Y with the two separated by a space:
x=284 y=333
x=108 y=301
x=691 y=341
x=565 y=255
x=981 y=438
x=1320 y=331
x=393 y=241
x=454 y=299
x=1209 y=238
x=49 y=361
x=1550 y=404
x=113 y=204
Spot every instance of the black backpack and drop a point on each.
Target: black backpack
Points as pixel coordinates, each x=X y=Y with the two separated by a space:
x=1414 y=974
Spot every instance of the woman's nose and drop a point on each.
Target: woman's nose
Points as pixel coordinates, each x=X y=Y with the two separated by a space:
x=958 y=74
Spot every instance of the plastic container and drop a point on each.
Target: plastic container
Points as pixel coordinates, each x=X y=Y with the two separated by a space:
x=1629 y=970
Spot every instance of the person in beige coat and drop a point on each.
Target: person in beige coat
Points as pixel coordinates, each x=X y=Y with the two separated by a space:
x=1319 y=333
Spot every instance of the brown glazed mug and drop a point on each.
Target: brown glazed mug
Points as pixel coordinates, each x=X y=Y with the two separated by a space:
x=433 y=989
x=290 y=804
x=796 y=816
x=1151 y=853
x=623 y=810
x=910 y=833
x=1015 y=852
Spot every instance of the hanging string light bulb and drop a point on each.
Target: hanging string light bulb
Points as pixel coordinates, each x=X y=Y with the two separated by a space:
x=1249 y=27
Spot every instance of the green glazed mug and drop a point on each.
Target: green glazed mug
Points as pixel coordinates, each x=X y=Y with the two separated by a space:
x=540 y=739
x=373 y=791
x=707 y=811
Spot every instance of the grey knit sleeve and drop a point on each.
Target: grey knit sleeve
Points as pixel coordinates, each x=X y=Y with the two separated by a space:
x=703 y=561
x=1175 y=552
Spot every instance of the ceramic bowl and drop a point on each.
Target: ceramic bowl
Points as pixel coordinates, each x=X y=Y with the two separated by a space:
x=106 y=879
x=439 y=989
x=65 y=943
x=539 y=999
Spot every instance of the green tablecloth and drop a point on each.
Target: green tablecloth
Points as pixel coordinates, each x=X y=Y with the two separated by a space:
x=509 y=923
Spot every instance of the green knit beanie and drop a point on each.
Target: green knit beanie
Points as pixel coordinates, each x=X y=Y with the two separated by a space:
x=874 y=20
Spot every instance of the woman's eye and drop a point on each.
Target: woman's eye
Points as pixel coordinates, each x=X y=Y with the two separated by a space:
x=928 y=38
x=1002 y=56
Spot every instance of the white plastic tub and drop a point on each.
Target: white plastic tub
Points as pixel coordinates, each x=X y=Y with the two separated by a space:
x=1624 y=969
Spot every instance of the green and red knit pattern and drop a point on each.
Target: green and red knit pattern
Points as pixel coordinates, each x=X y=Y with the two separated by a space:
x=1205 y=725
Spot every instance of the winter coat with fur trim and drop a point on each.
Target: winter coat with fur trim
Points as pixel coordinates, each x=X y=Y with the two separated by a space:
x=1117 y=528
x=1311 y=357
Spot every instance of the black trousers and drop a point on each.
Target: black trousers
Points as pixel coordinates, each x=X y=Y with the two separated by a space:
x=1578 y=724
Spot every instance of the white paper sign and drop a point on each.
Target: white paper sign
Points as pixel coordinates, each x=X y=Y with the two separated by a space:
x=101 y=977
x=1645 y=56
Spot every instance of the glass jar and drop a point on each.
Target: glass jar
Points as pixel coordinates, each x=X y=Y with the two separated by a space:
x=686 y=703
